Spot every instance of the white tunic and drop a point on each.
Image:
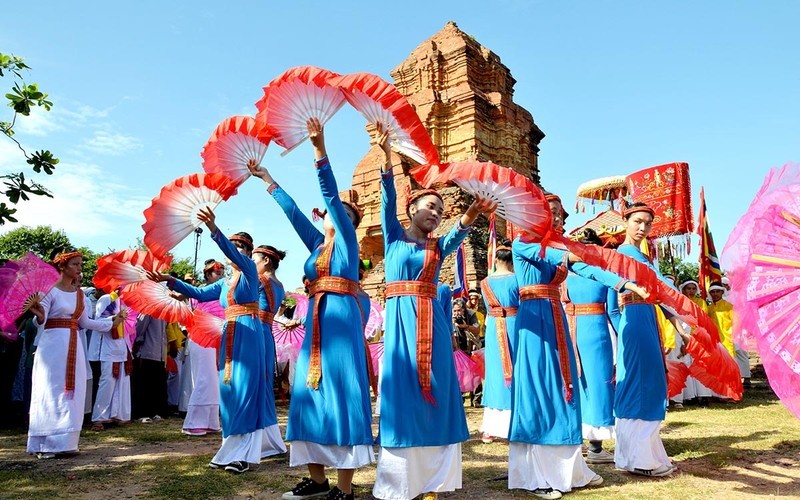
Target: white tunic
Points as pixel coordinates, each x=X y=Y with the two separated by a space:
x=55 y=416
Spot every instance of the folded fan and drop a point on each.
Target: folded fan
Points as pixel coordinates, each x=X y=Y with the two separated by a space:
x=295 y=96
x=380 y=102
x=235 y=142
x=172 y=216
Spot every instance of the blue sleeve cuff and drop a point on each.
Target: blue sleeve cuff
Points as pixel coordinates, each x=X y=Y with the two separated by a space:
x=272 y=187
x=322 y=162
x=461 y=228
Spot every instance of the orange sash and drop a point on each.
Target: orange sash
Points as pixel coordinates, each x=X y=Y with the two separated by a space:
x=500 y=314
x=424 y=289
x=232 y=312
x=72 y=350
x=551 y=293
x=630 y=298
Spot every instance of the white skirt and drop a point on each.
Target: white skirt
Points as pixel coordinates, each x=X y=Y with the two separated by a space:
x=113 y=395
x=535 y=466
x=496 y=422
x=205 y=377
x=240 y=447
x=595 y=433
x=743 y=360
x=407 y=472
x=338 y=457
x=202 y=417
x=639 y=445
x=272 y=442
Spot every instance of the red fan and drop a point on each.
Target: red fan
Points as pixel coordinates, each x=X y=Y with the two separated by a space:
x=380 y=102
x=205 y=328
x=677 y=373
x=295 y=96
x=467 y=370
x=713 y=366
x=519 y=200
x=31 y=277
x=235 y=142
x=376 y=353
x=124 y=267
x=155 y=299
x=172 y=216
x=479 y=357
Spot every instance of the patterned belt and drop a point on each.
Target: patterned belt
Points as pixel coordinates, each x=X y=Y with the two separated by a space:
x=425 y=294
x=266 y=316
x=502 y=312
x=534 y=292
x=72 y=349
x=231 y=313
x=584 y=309
x=71 y=324
x=318 y=288
x=627 y=299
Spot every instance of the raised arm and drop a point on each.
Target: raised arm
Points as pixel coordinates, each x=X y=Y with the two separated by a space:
x=345 y=231
x=242 y=261
x=392 y=229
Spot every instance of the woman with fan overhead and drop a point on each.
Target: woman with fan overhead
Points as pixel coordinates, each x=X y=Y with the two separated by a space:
x=640 y=399
x=270 y=296
x=59 y=367
x=545 y=438
x=330 y=415
x=422 y=414
x=242 y=363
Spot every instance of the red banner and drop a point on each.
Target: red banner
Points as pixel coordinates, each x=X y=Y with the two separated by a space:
x=667 y=190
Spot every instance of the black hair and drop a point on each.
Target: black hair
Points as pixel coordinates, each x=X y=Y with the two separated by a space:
x=503 y=254
x=280 y=253
x=247 y=237
x=352 y=214
x=208 y=261
x=589 y=237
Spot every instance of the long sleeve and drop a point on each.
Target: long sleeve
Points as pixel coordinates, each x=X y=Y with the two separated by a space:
x=304 y=228
x=243 y=262
x=102 y=304
x=345 y=231
x=612 y=306
x=606 y=278
x=392 y=229
x=201 y=294
x=532 y=253
x=96 y=325
x=47 y=302
x=450 y=242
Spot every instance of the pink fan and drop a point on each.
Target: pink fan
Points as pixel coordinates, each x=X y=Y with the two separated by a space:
x=155 y=299
x=295 y=96
x=124 y=267
x=288 y=340
x=31 y=277
x=235 y=142
x=376 y=353
x=374 y=321
x=205 y=328
x=469 y=377
x=129 y=327
x=172 y=216
x=380 y=102
x=211 y=307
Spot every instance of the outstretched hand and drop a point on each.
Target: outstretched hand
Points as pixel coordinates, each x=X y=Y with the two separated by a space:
x=484 y=205
x=316 y=136
x=256 y=170
x=157 y=277
x=206 y=216
x=381 y=138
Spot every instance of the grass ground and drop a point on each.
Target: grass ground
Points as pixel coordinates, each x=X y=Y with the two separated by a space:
x=744 y=450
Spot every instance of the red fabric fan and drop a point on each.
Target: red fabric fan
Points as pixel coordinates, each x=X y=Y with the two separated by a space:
x=519 y=200
x=124 y=267
x=713 y=366
x=172 y=216
x=155 y=299
x=295 y=96
x=235 y=142
x=479 y=357
x=677 y=373
x=467 y=370
x=205 y=328
x=31 y=277
x=380 y=102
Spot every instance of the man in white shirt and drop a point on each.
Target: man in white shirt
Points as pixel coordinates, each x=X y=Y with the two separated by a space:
x=113 y=402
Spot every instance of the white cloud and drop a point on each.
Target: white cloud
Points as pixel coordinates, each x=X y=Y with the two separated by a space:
x=39 y=123
x=110 y=143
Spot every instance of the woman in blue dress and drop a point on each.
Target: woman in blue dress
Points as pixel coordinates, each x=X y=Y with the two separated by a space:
x=270 y=296
x=329 y=416
x=545 y=434
x=241 y=359
x=501 y=295
x=585 y=305
x=422 y=414
x=640 y=400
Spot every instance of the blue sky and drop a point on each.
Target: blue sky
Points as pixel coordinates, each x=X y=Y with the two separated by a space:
x=615 y=86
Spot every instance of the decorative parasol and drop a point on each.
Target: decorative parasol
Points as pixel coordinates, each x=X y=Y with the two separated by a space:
x=380 y=102
x=295 y=96
x=235 y=142
x=31 y=279
x=172 y=216
x=608 y=225
x=606 y=191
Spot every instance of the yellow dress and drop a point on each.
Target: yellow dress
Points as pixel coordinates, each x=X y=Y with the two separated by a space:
x=722 y=314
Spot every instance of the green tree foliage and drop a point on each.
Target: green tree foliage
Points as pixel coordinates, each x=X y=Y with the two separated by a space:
x=41 y=240
x=22 y=99
x=182 y=267
x=681 y=269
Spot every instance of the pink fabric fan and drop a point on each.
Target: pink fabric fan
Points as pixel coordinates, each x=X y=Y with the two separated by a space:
x=129 y=327
x=469 y=377
x=301 y=305
x=205 y=328
x=295 y=96
x=172 y=216
x=376 y=353
x=380 y=102
x=155 y=299
x=211 y=307
x=32 y=276
x=124 y=267
x=374 y=321
x=519 y=200
x=287 y=340
x=235 y=142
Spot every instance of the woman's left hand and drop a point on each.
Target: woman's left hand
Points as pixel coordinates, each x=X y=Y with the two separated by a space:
x=484 y=205
x=206 y=215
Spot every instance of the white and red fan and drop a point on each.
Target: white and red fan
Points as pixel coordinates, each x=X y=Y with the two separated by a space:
x=380 y=102
x=124 y=267
x=295 y=96
x=156 y=300
x=235 y=142
x=519 y=200
x=172 y=216
x=205 y=328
